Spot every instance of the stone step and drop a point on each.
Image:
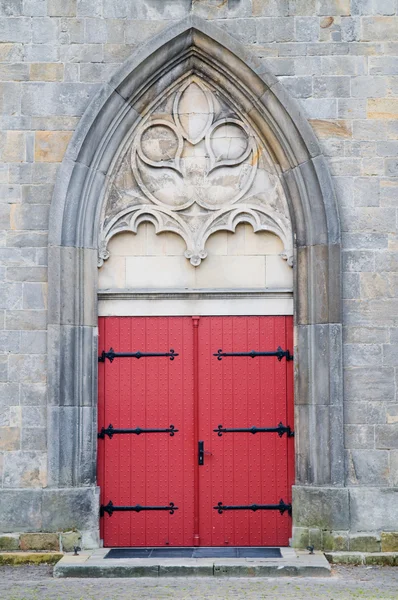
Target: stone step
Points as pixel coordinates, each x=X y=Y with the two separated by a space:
x=293 y=563
x=363 y=558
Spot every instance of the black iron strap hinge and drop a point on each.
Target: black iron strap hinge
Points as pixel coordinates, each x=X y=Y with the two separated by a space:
x=110 y=508
x=111 y=355
x=279 y=353
x=110 y=431
x=282 y=507
x=280 y=430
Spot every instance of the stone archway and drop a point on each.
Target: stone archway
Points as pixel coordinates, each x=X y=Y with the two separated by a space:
x=195 y=46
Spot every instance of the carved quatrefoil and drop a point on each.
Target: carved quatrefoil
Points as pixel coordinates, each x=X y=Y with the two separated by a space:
x=196 y=170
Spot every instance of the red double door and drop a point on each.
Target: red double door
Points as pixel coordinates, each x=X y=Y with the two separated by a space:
x=217 y=481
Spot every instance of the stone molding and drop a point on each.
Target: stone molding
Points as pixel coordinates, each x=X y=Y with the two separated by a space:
x=193 y=44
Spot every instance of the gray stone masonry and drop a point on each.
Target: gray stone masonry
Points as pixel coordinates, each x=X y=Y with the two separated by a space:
x=338 y=58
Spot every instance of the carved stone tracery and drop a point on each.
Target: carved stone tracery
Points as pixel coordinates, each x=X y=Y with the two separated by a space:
x=194 y=167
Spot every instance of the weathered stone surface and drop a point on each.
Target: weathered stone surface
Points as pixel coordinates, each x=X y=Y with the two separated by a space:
x=325 y=508
x=373 y=509
x=389 y=541
x=50 y=146
x=70 y=539
x=9 y=542
x=66 y=509
x=39 y=541
x=364 y=543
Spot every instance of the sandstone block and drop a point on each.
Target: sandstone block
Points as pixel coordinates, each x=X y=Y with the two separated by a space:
x=25 y=470
x=70 y=539
x=40 y=541
x=300 y=538
x=382 y=108
x=62 y=8
x=46 y=72
x=14 y=149
x=379 y=28
x=50 y=146
x=350 y=108
x=335 y=540
x=9 y=438
x=9 y=542
x=364 y=543
x=29 y=216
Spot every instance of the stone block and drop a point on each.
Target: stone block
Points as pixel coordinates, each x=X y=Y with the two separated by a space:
x=382 y=108
x=9 y=542
x=27 y=273
x=46 y=72
x=40 y=541
x=62 y=8
x=35 y=8
x=45 y=30
x=300 y=537
x=379 y=28
x=95 y=31
x=33 y=438
x=367 y=467
x=386 y=436
x=351 y=108
x=360 y=355
x=30 y=216
x=364 y=543
x=70 y=539
x=50 y=146
x=369 y=384
x=328 y=128
x=373 y=509
x=73 y=508
x=389 y=541
x=34 y=296
x=306 y=29
x=90 y=539
x=33 y=416
x=9 y=438
x=89 y=8
x=43 y=99
x=34 y=342
x=33 y=394
x=359 y=436
x=28 y=368
x=15 y=29
x=369 y=87
x=357 y=261
x=320 y=108
x=371 y=130
x=335 y=540
x=25 y=470
x=321 y=507
x=332 y=87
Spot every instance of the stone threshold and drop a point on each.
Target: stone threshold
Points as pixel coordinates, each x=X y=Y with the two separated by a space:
x=292 y=564
x=363 y=558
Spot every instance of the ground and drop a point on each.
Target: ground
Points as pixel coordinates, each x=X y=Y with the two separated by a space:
x=346 y=583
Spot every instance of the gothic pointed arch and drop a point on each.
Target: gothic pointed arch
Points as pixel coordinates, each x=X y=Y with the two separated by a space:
x=194 y=56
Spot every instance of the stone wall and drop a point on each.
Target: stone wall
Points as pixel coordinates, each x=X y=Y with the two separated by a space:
x=339 y=58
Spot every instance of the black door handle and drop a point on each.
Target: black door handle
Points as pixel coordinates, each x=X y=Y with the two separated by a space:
x=201 y=453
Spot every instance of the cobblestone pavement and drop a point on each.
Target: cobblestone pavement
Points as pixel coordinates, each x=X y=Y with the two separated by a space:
x=346 y=583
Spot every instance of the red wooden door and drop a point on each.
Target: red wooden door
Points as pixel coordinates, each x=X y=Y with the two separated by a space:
x=196 y=393
x=151 y=469
x=243 y=468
